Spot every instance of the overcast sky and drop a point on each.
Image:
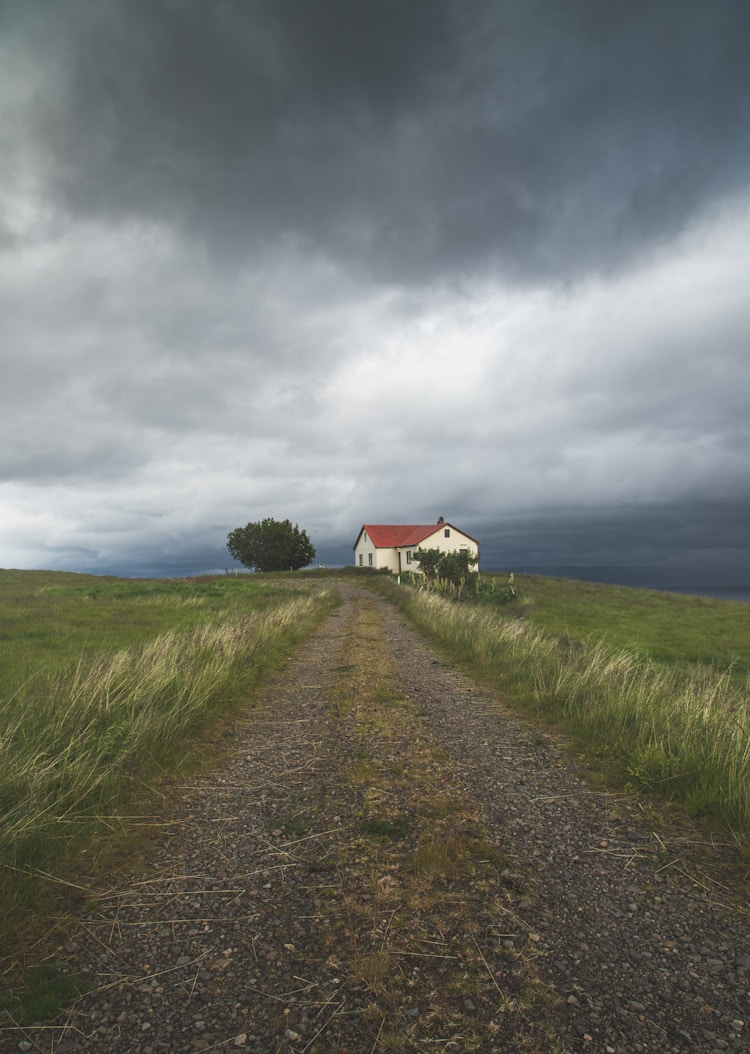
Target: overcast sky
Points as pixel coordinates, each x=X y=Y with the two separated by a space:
x=381 y=261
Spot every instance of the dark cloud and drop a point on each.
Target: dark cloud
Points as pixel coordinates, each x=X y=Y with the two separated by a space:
x=544 y=139
x=696 y=542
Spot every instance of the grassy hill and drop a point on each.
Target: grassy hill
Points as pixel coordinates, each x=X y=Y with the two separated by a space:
x=663 y=626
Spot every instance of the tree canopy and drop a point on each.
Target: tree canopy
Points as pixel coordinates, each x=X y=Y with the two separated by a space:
x=271 y=545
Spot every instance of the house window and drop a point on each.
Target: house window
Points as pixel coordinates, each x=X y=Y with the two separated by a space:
x=369 y=558
x=361 y=560
x=464 y=552
x=365 y=535
x=447 y=532
x=408 y=556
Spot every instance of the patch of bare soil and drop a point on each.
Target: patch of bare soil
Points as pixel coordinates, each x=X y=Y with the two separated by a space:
x=391 y=861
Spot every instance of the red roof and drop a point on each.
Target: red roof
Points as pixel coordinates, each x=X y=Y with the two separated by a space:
x=396 y=535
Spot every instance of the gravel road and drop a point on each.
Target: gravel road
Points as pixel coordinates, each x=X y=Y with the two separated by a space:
x=289 y=904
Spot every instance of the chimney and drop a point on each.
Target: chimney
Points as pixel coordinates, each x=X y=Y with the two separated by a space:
x=441 y=519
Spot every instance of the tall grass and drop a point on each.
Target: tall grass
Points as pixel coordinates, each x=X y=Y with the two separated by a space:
x=48 y=618
x=663 y=626
x=74 y=744
x=681 y=730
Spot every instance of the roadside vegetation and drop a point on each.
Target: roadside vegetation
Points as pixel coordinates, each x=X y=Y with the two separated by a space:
x=665 y=627
x=105 y=683
x=653 y=687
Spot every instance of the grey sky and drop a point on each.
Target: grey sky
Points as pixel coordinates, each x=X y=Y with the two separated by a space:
x=381 y=262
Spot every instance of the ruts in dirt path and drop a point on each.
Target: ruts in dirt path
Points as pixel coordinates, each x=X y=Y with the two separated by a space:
x=389 y=860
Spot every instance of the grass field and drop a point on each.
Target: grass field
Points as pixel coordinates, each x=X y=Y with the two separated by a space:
x=48 y=618
x=666 y=627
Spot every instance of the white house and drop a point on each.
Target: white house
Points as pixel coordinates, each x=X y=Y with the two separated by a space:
x=392 y=546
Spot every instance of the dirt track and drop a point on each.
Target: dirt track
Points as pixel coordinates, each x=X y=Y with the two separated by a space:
x=390 y=861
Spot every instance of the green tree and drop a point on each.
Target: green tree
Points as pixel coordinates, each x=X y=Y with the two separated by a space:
x=271 y=545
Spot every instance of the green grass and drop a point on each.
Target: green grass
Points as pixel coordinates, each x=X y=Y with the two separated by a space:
x=115 y=678
x=42 y=992
x=666 y=627
x=393 y=827
x=48 y=618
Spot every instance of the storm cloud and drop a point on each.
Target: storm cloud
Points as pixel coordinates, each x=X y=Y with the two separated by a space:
x=375 y=262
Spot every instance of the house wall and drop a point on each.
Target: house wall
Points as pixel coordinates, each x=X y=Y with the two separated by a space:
x=387 y=558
